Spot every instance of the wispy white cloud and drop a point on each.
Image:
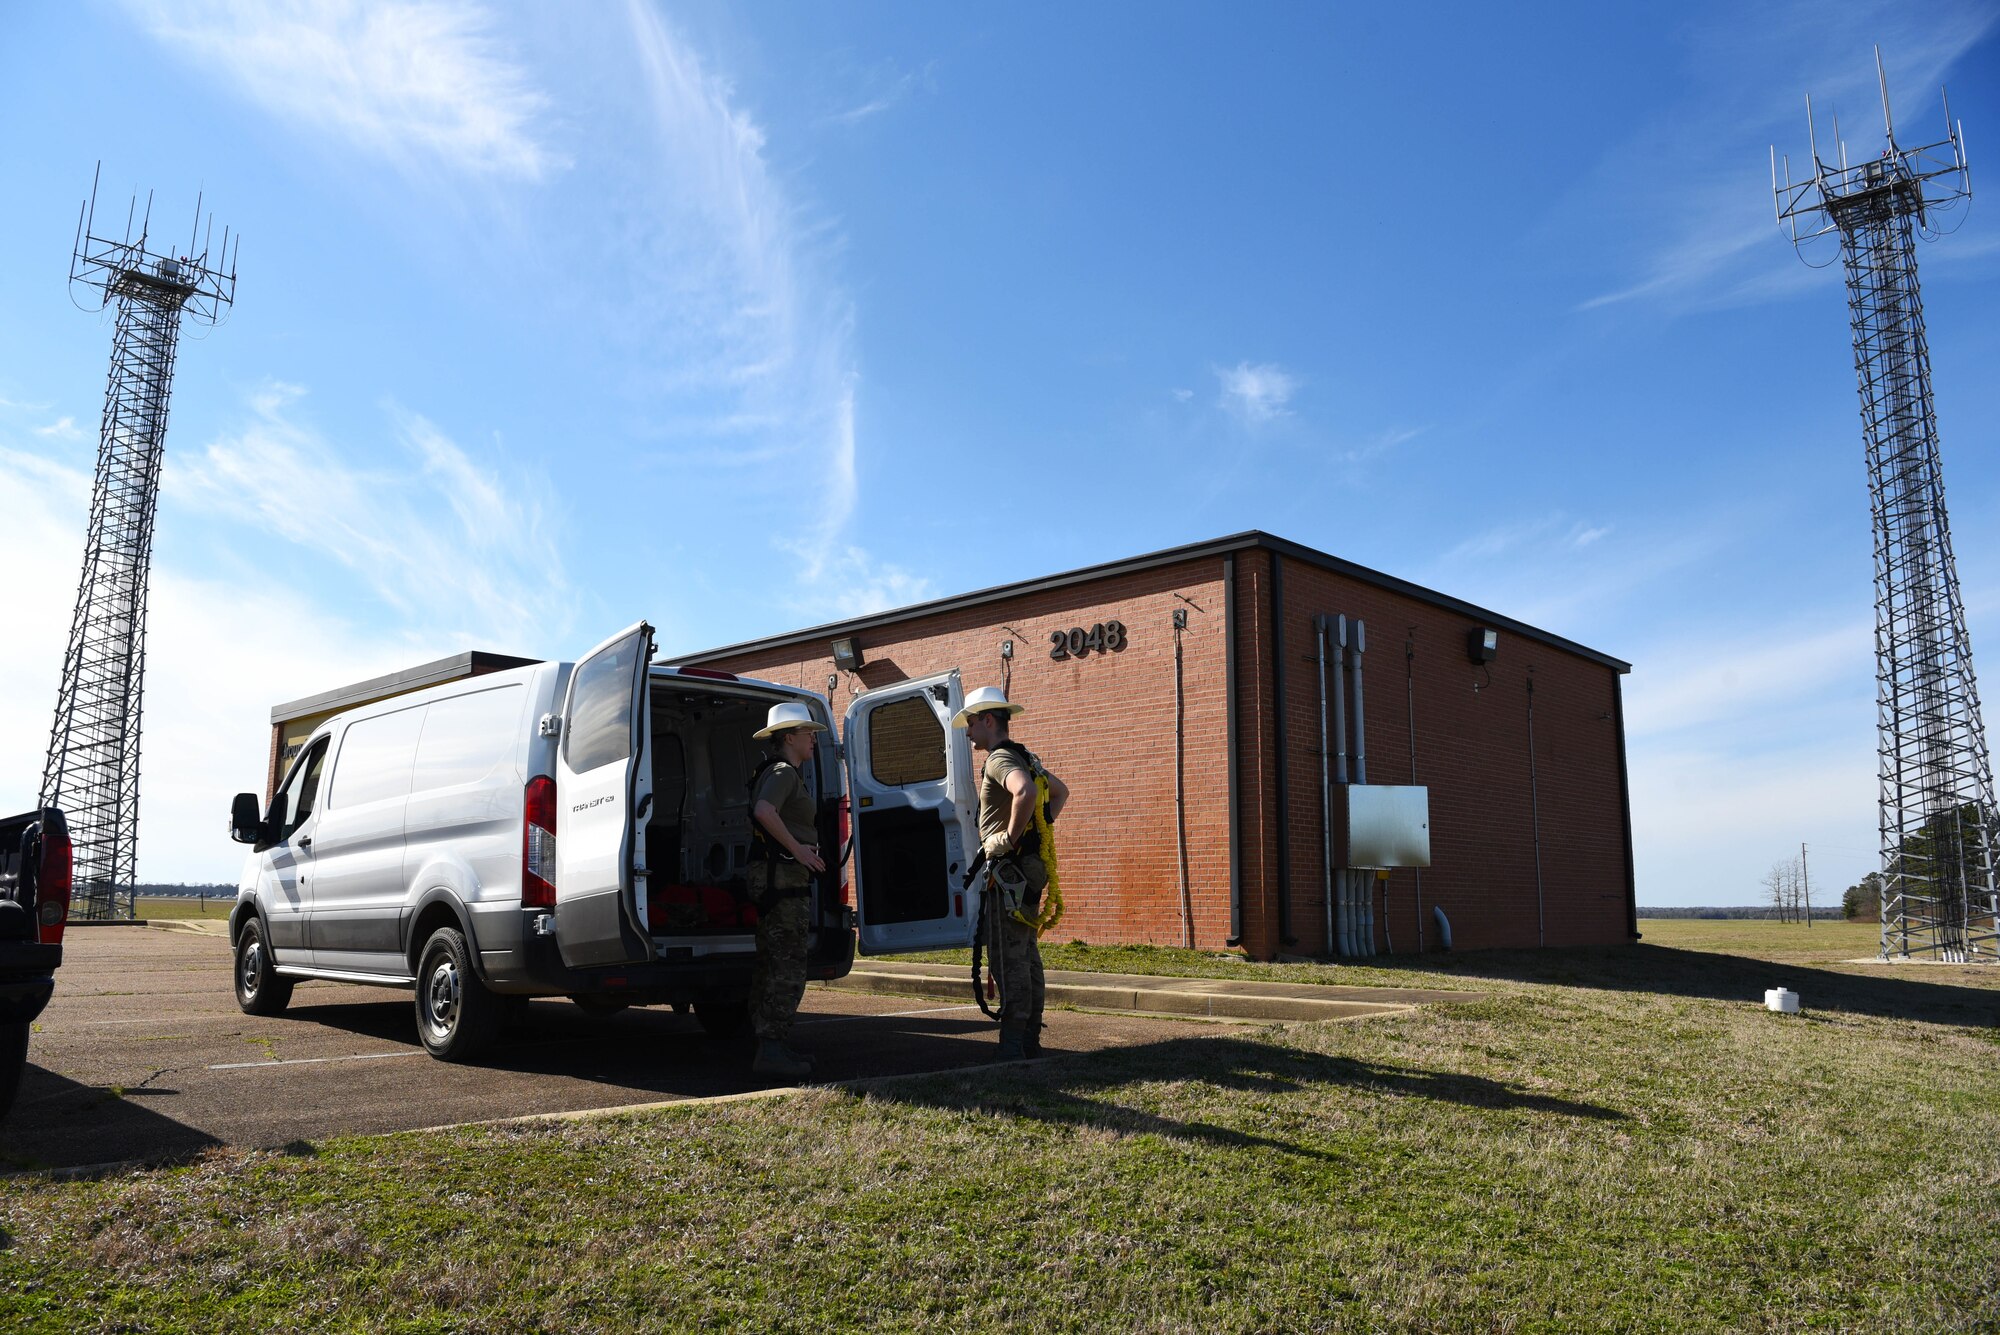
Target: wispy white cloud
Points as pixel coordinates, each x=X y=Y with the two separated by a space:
x=759 y=324
x=1737 y=680
x=1256 y=393
x=1692 y=188
x=63 y=428
x=422 y=83
x=885 y=89
x=439 y=539
x=207 y=712
x=1378 y=445
x=1745 y=740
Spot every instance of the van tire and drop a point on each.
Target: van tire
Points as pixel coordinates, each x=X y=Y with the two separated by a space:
x=723 y=1019
x=457 y=1018
x=13 y=1061
x=260 y=988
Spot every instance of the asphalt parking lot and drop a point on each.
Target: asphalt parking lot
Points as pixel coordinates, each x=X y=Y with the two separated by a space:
x=143 y=1056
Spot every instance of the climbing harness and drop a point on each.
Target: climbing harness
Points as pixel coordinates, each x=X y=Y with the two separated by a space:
x=988 y=939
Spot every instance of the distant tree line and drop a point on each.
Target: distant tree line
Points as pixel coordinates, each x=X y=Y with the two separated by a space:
x=1823 y=912
x=177 y=890
x=1933 y=853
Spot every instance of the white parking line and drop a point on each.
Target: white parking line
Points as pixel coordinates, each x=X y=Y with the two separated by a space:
x=315 y=1061
x=884 y=1015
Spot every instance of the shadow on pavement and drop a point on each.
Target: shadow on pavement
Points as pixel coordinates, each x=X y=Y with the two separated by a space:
x=57 y=1122
x=1068 y=1092
x=1697 y=973
x=650 y=1051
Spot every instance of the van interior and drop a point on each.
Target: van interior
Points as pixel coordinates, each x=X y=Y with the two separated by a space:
x=698 y=832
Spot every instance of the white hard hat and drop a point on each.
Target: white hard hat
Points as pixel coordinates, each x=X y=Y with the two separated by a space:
x=789 y=716
x=984 y=700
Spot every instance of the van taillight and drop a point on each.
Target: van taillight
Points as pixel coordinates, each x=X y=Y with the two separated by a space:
x=538 y=845
x=52 y=889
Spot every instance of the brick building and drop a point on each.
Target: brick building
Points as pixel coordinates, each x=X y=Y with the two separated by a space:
x=1198 y=671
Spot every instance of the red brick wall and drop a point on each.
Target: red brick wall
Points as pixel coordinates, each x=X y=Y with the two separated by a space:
x=1472 y=753
x=1104 y=722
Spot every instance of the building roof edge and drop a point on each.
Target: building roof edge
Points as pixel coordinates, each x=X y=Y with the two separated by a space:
x=1235 y=542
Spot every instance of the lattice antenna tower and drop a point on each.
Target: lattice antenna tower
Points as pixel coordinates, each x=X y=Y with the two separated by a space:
x=1936 y=776
x=92 y=768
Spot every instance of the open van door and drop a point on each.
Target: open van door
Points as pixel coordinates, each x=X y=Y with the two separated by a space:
x=604 y=786
x=910 y=782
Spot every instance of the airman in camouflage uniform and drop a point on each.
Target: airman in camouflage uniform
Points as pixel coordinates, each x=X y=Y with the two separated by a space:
x=785 y=857
x=1008 y=838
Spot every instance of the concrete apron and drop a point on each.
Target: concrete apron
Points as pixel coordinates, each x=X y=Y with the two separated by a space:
x=1219 y=998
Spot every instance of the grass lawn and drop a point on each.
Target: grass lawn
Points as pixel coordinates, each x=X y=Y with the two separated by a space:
x=1616 y=1139
x=157 y=907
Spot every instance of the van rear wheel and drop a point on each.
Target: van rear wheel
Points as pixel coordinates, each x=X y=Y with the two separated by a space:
x=260 y=988
x=457 y=1018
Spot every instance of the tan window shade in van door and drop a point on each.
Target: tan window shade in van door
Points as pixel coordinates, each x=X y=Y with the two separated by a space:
x=905 y=743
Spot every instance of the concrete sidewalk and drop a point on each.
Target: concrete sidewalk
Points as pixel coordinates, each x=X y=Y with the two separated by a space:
x=1221 y=998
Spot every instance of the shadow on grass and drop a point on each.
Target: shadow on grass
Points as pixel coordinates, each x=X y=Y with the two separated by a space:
x=1071 y=1092
x=1698 y=973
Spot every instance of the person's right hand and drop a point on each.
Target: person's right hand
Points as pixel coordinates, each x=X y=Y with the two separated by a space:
x=809 y=859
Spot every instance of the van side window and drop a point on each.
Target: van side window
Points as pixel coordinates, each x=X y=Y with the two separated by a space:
x=374 y=759
x=905 y=742
x=599 y=730
x=468 y=737
x=301 y=791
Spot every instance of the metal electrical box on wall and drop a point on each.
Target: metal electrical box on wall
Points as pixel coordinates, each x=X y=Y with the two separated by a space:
x=1381 y=825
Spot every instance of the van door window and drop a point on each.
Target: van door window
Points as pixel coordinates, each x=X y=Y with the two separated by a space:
x=905 y=743
x=301 y=790
x=600 y=714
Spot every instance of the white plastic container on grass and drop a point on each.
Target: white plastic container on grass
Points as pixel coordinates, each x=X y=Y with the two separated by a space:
x=1782 y=1000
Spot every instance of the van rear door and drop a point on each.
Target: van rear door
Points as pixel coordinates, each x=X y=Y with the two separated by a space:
x=604 y=786
x=910 y=785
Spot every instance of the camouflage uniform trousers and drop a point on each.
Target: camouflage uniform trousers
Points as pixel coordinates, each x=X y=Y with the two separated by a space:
x=780 y=979
x=1022 y=988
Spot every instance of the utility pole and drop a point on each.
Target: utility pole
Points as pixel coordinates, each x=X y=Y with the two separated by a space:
x=1805 y=883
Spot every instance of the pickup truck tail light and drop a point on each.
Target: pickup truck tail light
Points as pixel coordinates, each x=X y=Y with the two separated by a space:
x=538 y=845
x=52 y=882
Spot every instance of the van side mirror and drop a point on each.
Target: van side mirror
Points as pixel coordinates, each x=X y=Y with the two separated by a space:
x=245 y=825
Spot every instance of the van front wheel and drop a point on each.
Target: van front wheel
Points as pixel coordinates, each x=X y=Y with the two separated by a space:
x=457 y=1017
x=260 y=988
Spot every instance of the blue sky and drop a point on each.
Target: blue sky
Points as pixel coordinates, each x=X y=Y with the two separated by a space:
x=552 y=317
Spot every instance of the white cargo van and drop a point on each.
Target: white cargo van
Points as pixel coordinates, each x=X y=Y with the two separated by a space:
x=583 y=830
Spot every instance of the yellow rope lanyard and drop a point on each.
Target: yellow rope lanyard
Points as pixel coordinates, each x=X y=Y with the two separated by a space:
x=1052 y=901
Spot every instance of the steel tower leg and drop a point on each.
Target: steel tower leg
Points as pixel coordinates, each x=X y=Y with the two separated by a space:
x=92 y=768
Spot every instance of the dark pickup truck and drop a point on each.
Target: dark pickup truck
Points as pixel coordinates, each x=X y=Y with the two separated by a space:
x=34 y=904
